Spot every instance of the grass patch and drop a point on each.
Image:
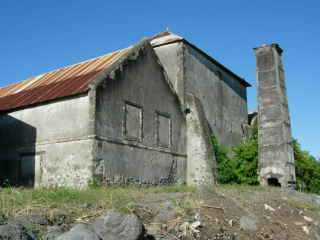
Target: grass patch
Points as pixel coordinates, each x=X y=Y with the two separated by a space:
x=76 y=203
x=303 y=205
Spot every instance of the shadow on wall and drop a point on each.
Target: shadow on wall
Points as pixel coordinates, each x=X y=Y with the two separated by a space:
x=17 y=152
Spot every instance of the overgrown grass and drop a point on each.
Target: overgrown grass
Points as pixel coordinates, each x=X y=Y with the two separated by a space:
x=76 y=203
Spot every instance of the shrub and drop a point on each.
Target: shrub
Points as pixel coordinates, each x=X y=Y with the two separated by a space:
x=226 y=167
x=245 y=157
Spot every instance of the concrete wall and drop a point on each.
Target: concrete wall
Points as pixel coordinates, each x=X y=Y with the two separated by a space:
x=172 y=58
x=126 y=154
x=223 y=98
x=54 y=137
x=201 y=163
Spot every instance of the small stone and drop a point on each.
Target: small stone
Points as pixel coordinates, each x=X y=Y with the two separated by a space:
x=299 y=223
x=166 y=213
x=308 y=219
x=306 y=230
x=231 y=222
x=269 y=208
x=248 y=223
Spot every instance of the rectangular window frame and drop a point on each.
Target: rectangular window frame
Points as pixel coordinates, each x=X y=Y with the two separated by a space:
x=124 y=125
x=157 y=128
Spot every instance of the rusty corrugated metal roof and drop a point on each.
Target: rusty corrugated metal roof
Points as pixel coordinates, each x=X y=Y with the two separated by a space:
x=63 y=82
x=75 y=79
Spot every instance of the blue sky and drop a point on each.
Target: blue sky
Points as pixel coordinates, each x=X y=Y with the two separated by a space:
x=37 y=36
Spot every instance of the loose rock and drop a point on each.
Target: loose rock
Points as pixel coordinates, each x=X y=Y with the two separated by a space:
x=248 y=223
x=116 y=226
x=53 y=233
x=80 y=232
x=12 y=231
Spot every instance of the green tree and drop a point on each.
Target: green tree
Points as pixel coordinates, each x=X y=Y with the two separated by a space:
x=307 y=170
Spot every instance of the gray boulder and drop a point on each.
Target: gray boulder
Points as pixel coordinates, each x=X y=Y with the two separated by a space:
x=53 y=232
x=116 y=226
x=248 y=223
x=79 y=232
x=166 y=213
x=14 y=231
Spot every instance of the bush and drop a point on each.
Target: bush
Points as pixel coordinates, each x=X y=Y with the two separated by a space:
x=226 y=167
x=238 y=166
x=245 y=157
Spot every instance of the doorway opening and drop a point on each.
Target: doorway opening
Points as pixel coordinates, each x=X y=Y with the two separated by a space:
x=273 y=182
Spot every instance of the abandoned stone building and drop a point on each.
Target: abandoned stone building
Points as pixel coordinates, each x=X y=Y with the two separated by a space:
x=143 y=114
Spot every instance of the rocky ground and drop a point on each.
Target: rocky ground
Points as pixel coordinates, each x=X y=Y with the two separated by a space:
x=228 y=212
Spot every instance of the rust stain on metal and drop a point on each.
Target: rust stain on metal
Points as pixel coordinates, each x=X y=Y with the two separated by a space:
x=63 y=82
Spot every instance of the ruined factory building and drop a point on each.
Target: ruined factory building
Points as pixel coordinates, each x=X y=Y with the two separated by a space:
x=141 y=115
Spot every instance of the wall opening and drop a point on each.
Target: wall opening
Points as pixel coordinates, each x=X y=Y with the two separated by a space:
x=16 y=168
x=273 y=182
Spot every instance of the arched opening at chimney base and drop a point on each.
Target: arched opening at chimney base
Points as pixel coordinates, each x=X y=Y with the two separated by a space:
x=273 y=182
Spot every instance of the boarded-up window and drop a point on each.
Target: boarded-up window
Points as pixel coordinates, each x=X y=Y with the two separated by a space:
x=27 y=170
x=163 y=135
x=133 y=122
x=30 y=169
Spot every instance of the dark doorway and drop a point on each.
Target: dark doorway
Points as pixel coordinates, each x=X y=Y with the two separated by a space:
x=27 y=170
x=273 y=182
x=17 y=168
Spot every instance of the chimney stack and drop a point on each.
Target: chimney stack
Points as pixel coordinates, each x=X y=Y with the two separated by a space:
x=276 y=158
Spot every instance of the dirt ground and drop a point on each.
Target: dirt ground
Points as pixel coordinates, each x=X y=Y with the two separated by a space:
x=235 y=212
x=177 y=213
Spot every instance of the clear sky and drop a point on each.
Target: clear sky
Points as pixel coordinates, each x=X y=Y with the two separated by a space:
x=37 y=36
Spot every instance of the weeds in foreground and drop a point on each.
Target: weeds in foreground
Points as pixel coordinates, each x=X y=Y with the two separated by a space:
x=76 y=203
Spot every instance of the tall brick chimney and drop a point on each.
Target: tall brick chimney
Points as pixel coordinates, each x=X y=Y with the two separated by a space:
x=276 y=158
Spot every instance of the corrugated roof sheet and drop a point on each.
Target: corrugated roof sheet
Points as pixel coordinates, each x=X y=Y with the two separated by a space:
x=63 y=82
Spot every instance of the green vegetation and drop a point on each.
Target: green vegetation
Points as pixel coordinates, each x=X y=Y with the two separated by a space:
x=239 y=165
x=226 y=165
x=307 y=170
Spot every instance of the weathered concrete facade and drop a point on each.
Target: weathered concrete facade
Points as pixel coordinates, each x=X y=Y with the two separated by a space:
x=150 y=149
x=48 y=141
x=142 y=115
x=276 y=158
x=222 y=94
x=218 y=105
